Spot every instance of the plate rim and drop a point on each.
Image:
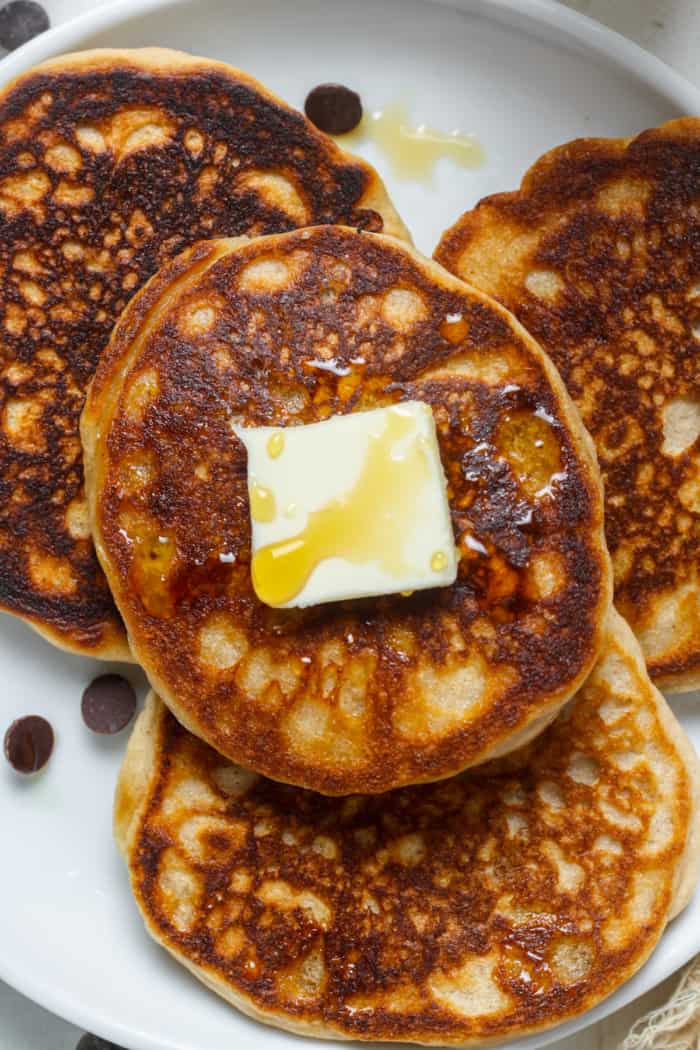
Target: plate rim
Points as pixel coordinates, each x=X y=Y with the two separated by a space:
x=577 y=29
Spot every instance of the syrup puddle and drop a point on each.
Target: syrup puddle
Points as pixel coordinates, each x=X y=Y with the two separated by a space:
x=413 y=151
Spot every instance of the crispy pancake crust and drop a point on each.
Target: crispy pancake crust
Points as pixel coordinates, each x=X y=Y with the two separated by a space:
x=495 y=904
x=598 y=254
x=111 y=162
x=352 y=696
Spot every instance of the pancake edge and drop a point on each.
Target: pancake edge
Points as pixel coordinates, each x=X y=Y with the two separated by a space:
x=139 y=769
x=684 y=673
x=114 y=644
x=171 y=62
x=125 y=344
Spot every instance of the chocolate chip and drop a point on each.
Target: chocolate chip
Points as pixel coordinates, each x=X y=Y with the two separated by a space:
x=29 y=743
x=93 y=1042
x=21 y=21
x=108 y=704
x=333 y=108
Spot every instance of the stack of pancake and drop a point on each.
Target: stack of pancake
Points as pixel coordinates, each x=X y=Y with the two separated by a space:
x=457 y=815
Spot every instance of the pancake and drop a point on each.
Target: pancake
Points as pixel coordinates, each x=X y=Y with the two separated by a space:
x=598 y=254
x=112 y=162
x=495 y=904
x=361 y=695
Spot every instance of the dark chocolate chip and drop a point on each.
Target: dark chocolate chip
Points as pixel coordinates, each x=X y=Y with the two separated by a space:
x=29 y=743
x=333 y=108
x=21 y=21
x=108 y=704
x=93 y=1042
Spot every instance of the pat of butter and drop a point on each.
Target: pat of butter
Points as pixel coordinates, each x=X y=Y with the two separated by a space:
x=353 y=507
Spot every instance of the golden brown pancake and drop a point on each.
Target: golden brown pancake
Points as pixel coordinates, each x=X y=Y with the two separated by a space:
x=598 y=254
x=362 y=695
x=495 y=904
x=111 y=162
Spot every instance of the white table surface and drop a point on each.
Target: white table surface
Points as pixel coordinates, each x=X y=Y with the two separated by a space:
x=671 y=30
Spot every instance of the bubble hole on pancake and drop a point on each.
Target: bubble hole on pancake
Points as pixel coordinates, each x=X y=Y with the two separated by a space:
x=348 y=696
x=598 y=254
x=491 y=905
x=112 y=162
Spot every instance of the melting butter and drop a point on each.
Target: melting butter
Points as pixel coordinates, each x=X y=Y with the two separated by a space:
x=361 y=526
x=413 y=151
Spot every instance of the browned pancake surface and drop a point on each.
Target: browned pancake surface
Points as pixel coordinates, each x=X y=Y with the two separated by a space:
x=486 y=906
x=361 y=695
x=110 y=163
x=598 y=254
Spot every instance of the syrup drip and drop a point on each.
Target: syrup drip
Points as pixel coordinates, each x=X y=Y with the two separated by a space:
x=438 y=562
x=454 y=328
x=154 y=558
x=527 y=441
x=262 y=502
x=275 y=444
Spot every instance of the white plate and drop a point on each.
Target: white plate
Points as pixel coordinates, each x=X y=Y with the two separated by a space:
x=523 y=76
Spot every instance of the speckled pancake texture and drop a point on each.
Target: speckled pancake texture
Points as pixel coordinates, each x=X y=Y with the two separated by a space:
x=363 y=695
x=498 y=903
x=111 y=162
x=598 y=254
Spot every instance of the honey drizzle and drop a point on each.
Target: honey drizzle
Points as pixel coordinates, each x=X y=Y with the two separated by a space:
x=262 y=502
x=275 y=444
